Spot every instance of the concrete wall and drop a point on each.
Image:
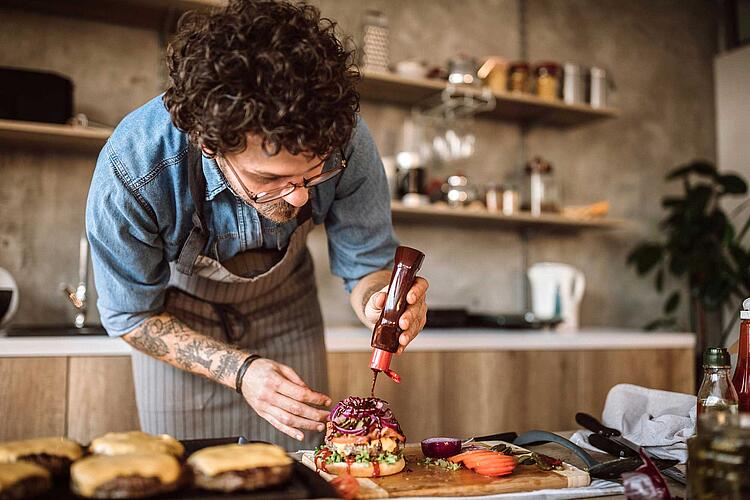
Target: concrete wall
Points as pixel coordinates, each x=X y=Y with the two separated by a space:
x=660 y=54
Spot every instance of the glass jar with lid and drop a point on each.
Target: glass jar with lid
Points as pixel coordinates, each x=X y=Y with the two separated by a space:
x=518 y=75
x=540 y=190
x=547 y=76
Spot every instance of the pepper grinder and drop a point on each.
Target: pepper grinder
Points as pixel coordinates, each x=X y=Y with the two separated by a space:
x=386 y=332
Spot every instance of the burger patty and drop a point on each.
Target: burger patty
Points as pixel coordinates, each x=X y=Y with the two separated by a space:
x=26 y=488
x=131 y=487
x=373 y=449
x=57 y=465
x=250 y=479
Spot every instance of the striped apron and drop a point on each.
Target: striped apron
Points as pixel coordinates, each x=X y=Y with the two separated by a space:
x=264 y=301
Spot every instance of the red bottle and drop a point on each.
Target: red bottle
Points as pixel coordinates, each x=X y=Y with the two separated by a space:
x=741 y=379
x=386 y=332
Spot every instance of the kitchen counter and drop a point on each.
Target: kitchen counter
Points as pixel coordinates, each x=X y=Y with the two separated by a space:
x=356 y=339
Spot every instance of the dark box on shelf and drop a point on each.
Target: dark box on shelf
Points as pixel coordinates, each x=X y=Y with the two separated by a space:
x=35 y=96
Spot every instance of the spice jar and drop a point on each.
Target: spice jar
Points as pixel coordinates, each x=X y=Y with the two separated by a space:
x=547 y=80
x=519 y=76
x=494 y=73
x=540 y=193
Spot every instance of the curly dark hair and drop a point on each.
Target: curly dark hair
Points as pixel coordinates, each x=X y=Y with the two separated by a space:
x=269 y=68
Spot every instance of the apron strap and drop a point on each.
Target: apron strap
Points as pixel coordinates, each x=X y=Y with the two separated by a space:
x=198 y=237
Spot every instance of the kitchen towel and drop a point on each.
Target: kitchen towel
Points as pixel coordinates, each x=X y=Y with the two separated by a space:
x=660 y=421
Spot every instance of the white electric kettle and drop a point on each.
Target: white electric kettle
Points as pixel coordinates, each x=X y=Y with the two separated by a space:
x=556 y=291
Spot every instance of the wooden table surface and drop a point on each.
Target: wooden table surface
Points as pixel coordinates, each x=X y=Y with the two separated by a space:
x=557 y=451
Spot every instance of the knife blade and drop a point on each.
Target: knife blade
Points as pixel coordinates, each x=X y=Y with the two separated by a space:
x=594 y=425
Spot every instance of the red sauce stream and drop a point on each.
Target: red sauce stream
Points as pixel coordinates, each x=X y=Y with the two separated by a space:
x=349 y=461
x=322 y=455
x=375 y=469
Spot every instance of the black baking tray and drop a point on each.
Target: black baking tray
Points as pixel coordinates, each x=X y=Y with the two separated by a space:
x=304 y=483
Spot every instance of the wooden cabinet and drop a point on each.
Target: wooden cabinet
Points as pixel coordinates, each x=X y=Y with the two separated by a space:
x=101 y=397
x=81 y=397
x=32 y=397
x=443 y=392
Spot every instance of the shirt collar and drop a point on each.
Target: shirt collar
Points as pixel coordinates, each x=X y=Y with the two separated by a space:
x=215 y=181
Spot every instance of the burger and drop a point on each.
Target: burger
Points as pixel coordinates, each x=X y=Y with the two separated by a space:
x=236 y=467
x=363 y=439
x=121 y=443
x=53 y=453
x=133 y=475
x=23 y=480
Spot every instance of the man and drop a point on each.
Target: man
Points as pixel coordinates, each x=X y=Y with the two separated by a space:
x=198 y=213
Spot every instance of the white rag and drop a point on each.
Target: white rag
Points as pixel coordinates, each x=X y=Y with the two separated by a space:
x=660 y=421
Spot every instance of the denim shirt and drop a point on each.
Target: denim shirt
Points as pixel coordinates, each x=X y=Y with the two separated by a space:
x=139 y=214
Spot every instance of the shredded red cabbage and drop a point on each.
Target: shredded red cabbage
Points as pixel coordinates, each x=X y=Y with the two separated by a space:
x=359 y=416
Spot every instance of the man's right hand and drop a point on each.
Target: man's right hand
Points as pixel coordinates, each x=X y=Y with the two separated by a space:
x=280 y=396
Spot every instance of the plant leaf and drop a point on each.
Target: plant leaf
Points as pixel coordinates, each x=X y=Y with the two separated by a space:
x=659 y=281
x=672 y=302
x=645 y=256
x=660 y=323
x=732 y=184
x=699 y=167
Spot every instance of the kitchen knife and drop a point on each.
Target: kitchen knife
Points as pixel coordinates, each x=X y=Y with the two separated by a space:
x=613 y=435
x=618 y=449
x=602 y=470
x=508 y=437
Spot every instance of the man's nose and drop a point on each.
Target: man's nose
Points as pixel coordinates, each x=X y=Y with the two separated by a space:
x=298 y=197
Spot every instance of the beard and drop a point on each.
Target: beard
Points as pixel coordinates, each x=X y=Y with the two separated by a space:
x=278 y=211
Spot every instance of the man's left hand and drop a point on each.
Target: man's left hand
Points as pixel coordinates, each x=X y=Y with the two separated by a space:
x=412 y=320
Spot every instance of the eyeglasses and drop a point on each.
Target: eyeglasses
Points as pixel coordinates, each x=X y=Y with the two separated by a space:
x=275 y=194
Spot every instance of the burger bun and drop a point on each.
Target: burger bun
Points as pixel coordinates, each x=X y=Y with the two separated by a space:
x=362 y=469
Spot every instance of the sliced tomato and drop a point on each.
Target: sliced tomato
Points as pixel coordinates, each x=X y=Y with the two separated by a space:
x=497 y=458
x=473 y=453
x=494 y=472
x=346 y=486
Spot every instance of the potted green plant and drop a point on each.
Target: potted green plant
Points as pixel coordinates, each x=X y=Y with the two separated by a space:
x=702 y=250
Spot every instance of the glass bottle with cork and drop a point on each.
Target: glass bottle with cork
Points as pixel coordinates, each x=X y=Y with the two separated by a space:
x=716 y=393
x=741 y=379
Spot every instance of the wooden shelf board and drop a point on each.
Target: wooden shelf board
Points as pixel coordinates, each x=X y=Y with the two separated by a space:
x=21 y=133
x=389 y=87
x=448 y=215
x=149 y=14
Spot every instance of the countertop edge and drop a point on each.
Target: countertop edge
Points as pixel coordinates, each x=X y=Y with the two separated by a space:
x=355 y=339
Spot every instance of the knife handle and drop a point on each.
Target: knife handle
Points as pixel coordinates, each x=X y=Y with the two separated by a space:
x=507 y=437
x=594 y=425
x=611 y=446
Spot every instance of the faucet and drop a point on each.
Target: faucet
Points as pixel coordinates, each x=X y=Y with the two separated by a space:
x=77 y=296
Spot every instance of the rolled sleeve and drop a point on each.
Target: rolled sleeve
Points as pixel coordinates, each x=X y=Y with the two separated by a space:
x=358 y=225
x=127 y=252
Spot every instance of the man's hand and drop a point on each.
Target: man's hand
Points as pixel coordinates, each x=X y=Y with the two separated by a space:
x=412 y=320
x=279 y=395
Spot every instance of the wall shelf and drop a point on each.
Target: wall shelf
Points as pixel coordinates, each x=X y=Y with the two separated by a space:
x=66 y=137
x=465 y=216
x=151 y=14
x=389 y=87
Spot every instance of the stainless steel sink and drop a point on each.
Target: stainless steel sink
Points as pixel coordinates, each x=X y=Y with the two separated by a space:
x=52 y=331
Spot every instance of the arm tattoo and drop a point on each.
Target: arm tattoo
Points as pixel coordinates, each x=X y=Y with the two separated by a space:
x=146 y=338
x=198 y=351
x=229 y=363
x=168 y=339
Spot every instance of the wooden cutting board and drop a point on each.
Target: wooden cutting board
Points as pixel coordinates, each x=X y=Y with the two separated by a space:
x=418 y=479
